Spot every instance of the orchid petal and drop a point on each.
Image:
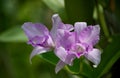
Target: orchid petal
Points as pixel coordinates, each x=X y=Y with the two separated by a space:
x=50 y=42
x=37 y=40
x=94 y=56
x=58 y=24
x=79 y=26
x=69 y=27
x=69 y=59
x=90 y=35
x=65 y=38
x=56 y=21
x=33 y=30
x=59 y=66
x=38 y=50
x=61 y=53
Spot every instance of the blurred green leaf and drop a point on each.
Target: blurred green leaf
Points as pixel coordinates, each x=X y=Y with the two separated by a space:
x=15 y=34
x=35 y=11
x=55 y=5
x=79 y=10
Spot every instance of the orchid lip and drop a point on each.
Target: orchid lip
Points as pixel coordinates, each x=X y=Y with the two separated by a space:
x=78 y=50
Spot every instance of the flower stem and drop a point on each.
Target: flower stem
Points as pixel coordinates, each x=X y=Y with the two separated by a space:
x=101 y=18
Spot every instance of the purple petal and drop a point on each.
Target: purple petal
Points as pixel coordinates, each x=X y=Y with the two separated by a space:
x=59 y=66
x=69 y=27
x=56 y=21
x=90 y=35
x=38 y=40
x=65 y=38
x=94 y=56
x=79 y=26
x=58 y=24
x=33 y=30
x=38 y=50
x=50 y=42
x=69 y=59
x=61 y=53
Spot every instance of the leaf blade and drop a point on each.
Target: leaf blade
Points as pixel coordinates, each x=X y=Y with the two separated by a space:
x=15 y=34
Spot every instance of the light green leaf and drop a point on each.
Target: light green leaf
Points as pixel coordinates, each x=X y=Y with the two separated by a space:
x=15 y=34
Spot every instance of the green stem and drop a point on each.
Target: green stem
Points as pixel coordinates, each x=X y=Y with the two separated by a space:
x=101 y=18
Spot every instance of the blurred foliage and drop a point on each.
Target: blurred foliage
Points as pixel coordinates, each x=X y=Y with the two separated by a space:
x=14 y=52
x=83 y=13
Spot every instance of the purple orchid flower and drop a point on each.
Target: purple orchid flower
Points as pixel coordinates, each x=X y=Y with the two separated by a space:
x=71 y=45
x=39 y=36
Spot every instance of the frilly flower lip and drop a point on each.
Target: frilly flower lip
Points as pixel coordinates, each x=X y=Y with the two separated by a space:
x=67 y=41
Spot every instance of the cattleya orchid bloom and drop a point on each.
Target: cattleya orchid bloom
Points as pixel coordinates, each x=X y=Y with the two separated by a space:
x=67 y=41
x=41 y=38
x=71 y=45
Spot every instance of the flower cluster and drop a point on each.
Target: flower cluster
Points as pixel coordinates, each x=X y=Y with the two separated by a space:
x=68 y=41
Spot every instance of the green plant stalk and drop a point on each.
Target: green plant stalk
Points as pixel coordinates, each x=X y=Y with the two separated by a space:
x=101 y=18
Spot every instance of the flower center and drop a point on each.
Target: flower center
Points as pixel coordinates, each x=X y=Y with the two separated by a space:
x=78 y=48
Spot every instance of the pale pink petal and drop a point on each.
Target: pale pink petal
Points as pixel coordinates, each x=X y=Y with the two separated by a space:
x=38 y=50
x=61 y=53
x=69 y=59
x=50 y=42
x=69 y=27
x=65 y=38
x=94 y=56
x=33 y=30
x=38 y=40
x=90 y=35
x=56 y=22
x=59 y=66
x=79 y=26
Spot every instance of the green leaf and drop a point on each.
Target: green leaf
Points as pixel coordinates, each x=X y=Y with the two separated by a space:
x=15 y=34
x=50 y=57
x=79 y=10
x=75 y=68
